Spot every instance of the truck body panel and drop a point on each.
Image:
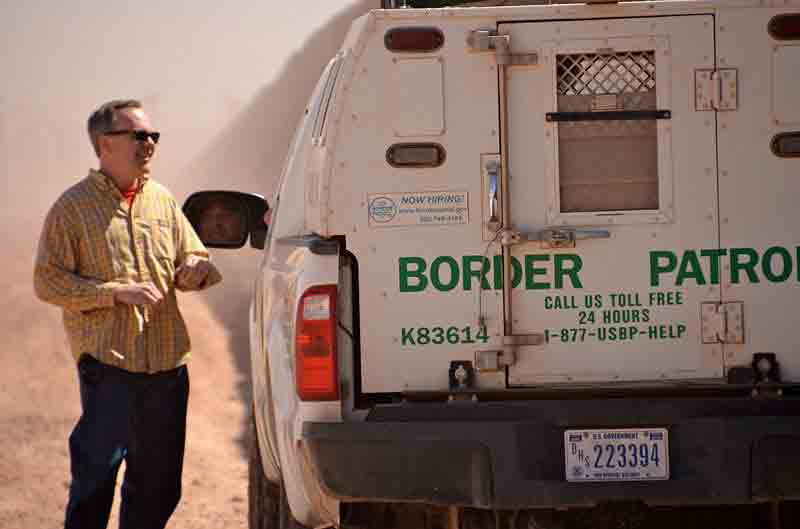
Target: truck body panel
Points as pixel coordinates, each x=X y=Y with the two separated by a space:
x=616 y=164
x=756 y=188
x=634 y=309
x=369 y=125
x=604 y=318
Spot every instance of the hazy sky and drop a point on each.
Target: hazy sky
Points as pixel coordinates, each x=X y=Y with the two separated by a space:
x=212 y=75
x=195 y=64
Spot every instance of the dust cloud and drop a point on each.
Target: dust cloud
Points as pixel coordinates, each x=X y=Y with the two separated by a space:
x=248 y=156
x=38 y=388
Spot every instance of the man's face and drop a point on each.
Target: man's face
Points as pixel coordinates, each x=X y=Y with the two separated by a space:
x=123 y=152
x=220 y=224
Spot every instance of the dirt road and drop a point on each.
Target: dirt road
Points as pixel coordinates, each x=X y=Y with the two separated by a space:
x=39 y=401
x=39 y=405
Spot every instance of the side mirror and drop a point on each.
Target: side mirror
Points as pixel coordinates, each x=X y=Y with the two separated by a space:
x=225 y=219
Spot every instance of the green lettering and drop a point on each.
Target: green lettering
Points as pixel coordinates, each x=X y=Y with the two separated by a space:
x=560 y=270
x=713 y=256
x=423 y=335
x=690 y=269
x=766 y=264
x=470 y=273
x=748 y=265
x=436 y=278
x=531 y=272
x=656 y=268
x=516 y=272
x=420 y=282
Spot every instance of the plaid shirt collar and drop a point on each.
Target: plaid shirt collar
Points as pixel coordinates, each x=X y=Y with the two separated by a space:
x=106 y=183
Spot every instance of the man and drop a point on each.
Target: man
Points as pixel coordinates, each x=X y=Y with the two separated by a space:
x=220 y=222
x=113 y=250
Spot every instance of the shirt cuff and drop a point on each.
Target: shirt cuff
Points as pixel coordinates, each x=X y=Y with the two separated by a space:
x=105 y=295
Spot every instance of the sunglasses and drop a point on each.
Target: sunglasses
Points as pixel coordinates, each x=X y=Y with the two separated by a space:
x=138 y=135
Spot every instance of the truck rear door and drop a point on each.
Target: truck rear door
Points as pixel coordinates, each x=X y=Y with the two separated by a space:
x=613 y=188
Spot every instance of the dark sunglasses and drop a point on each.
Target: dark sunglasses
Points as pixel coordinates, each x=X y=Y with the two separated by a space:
x=138 y=135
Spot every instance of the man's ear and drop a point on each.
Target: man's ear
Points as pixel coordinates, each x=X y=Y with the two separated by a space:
x=104 y=144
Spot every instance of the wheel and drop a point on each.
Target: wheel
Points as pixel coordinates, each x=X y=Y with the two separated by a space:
x=264 y=497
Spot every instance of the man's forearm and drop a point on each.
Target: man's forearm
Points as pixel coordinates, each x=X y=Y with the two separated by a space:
x=70 y=291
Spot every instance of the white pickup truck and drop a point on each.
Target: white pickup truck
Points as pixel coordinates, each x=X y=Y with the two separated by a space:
x=531 y=263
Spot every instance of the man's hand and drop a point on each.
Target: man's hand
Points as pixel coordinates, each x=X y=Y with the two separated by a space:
x=138 y=294
x=192 y=273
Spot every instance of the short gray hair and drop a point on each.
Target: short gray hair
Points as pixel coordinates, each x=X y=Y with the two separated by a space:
x=102 y=120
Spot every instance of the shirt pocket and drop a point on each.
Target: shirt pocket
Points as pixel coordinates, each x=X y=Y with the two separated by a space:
x=156 y=238
x=156 y=242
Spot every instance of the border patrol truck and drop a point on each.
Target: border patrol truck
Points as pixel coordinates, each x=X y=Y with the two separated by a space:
x=530 y=261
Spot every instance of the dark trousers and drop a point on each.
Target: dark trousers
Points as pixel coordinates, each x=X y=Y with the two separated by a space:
x=139 y=418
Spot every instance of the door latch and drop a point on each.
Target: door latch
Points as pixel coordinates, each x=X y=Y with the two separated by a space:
x=489 y=40
x=553 y=237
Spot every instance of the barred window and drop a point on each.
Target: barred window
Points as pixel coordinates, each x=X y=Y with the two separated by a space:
x=607 y=165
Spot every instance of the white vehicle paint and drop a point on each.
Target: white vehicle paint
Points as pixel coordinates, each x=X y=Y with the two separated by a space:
x=639 y=207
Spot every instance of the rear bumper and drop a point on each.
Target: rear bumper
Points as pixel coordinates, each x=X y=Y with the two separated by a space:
x=511 y=455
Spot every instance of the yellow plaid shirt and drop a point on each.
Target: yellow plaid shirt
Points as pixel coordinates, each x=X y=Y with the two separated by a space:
x=92 y=241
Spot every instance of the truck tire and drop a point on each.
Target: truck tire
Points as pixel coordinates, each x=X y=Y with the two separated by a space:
x=264 y=497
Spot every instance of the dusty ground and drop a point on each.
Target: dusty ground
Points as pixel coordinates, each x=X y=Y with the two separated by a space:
x=39 y=401
x=39 y=405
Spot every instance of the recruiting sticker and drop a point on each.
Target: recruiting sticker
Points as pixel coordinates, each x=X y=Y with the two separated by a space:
x=418 y=208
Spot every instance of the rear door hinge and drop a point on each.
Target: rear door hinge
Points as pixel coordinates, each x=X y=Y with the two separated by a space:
x=722 y=322
x=481 y=40
x=716 y=89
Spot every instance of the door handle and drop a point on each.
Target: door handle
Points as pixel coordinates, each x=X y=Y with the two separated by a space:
x=556 y=237
x=565 y=237
x=493 y=171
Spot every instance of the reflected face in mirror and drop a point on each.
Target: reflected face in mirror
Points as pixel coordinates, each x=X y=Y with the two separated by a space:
x=220 y=222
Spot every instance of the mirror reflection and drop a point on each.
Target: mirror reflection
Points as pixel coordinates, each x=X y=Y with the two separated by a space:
x=219 y=220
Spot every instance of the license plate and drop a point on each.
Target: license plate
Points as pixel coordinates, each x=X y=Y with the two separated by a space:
x=631 y=454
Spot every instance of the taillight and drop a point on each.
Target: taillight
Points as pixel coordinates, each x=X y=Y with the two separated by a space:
x=415 y=155
x=785 y=27
x=316 y=372
x=786 y=145
x=414 y=39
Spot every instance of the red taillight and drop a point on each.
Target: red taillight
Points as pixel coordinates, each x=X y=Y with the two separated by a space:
x=413 y=39
x=785 y=27
x=316 y=372
x=786 y=145
x=415 y=155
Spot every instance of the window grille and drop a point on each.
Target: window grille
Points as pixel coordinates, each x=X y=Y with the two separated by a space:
x=606 y=74
x=607 y=165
